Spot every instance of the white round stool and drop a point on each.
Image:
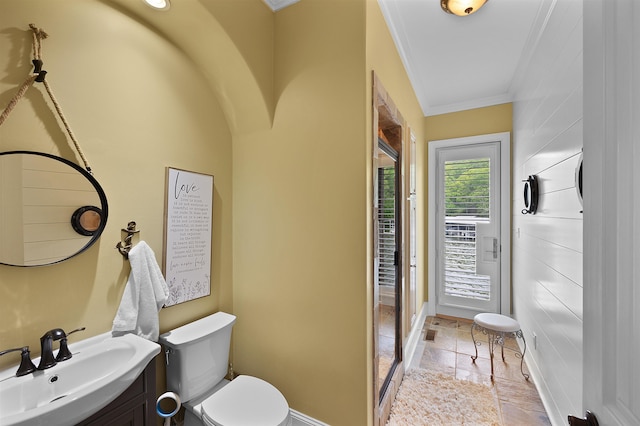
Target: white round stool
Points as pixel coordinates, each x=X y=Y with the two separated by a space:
x=496 y=327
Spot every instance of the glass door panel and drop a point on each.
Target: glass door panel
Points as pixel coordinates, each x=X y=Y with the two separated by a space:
x=388 y=269
x=468 y=216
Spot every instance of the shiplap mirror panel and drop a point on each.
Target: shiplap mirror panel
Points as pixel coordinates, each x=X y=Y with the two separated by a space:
x=50 y=209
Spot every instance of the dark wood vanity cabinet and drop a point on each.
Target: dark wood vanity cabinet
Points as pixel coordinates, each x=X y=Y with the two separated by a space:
x=135 y=407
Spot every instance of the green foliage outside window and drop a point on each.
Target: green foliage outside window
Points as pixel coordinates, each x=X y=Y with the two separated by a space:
x=467 y=188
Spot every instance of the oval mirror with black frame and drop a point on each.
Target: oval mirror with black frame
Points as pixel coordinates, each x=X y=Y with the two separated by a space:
x=530 y=195
x=50 y=209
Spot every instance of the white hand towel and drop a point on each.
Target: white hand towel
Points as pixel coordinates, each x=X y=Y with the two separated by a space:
x=144 y=295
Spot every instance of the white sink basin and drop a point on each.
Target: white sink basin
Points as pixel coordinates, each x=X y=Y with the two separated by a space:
x=102 y=367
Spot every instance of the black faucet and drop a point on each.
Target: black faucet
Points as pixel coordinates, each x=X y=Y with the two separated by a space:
x=64 y=353
x=26 y=365
x=47 y=360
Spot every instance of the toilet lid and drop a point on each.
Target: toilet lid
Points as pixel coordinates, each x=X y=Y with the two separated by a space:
x=246 y=401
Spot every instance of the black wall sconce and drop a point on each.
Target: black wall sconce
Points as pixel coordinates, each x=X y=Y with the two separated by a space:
x=530 y=195
x=579 y=180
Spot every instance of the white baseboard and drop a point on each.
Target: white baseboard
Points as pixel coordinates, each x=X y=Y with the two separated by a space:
x=556 y=418
x=414 y=336
x=299 y=419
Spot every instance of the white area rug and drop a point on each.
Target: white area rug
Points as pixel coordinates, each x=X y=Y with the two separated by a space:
x=431 y=398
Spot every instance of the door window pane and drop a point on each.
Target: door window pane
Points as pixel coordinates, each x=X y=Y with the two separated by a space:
x=467 y=203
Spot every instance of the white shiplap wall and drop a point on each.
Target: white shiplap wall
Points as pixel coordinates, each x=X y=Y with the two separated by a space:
x=547 y=246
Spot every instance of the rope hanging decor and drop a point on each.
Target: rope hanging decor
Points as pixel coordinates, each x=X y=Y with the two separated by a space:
x=38 y=76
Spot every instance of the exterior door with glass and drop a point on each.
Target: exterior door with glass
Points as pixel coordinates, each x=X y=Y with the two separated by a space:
x=468 y=225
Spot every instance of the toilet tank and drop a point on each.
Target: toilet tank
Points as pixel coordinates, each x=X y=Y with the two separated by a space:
x=197 y=354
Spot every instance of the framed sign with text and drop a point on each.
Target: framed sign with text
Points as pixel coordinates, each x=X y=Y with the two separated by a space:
x=187 y=236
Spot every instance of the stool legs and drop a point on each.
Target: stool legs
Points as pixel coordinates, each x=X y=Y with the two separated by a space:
x=497 y=337
x=520 y=335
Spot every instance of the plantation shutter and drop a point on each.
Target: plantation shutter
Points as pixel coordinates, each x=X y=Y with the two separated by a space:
x=387 y=225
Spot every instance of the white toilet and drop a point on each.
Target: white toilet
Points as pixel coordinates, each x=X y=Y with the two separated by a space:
x=197 y=356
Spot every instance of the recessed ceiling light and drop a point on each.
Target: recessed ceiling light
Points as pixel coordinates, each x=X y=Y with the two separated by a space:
x=158 y=4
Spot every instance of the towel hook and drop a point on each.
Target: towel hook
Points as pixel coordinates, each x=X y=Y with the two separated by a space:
x=124 y=248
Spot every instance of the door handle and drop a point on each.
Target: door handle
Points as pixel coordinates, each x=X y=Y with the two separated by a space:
x=495 y=248
x=589 y=420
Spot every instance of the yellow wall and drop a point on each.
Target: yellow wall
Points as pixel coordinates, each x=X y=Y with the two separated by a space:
x=479 y=121
x=302 y=285
x=299 y=219
x=278 y=108
x=383 y=59
x=136 y=104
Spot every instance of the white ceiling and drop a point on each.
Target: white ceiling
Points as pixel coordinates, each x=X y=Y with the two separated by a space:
x=457 y=63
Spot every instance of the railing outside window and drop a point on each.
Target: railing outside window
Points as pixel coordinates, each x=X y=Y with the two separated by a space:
x=460 y=259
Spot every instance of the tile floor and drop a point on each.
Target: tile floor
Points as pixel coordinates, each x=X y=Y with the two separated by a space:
x=516 y=399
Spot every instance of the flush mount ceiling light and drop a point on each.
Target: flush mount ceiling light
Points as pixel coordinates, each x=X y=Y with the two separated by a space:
x=158 y=4
x=461 y=7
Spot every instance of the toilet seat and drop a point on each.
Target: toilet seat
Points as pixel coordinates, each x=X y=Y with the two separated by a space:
x=246 y=401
